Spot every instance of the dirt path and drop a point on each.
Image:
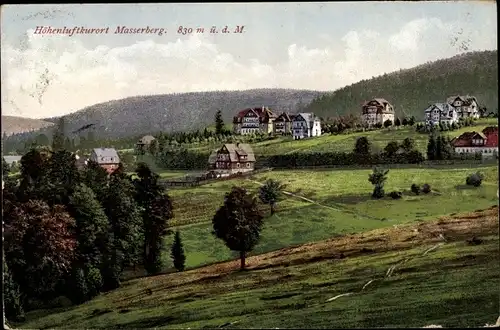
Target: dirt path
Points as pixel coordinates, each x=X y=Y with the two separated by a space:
x=342 y=209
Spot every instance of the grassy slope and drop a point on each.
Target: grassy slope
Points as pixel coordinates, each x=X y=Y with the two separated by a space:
x=345 y=142
x=346 y=206
x=453 y=285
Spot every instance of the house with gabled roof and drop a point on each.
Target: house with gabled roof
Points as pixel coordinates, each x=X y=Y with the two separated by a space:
x=377 y=111
x=107 y=158
x=440 y=113
x=466 y=106
x=485 y=142
x=231 y=159
x=254 y=121
x=283 y=124
x=304 y=125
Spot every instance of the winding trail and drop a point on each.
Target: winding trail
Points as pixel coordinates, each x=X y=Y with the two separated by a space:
x=322 y=205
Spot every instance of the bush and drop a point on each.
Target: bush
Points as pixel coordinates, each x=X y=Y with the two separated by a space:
x=415 y=189
x=396 y=194
x=474 y=179
x=426 y=188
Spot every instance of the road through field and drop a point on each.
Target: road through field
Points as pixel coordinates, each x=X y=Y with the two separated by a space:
x=319 y=204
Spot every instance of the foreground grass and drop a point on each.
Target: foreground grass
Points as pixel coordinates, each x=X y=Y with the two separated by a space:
x=453 y=285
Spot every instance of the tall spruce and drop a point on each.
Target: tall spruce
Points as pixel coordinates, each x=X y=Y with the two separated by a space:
x=377 y=179
x=432 y=147
x=59 y=135
x=157 y=210
x=125 y=230
x=219 y=123
x=92 y=236
x=238 y=222
x=177 y=253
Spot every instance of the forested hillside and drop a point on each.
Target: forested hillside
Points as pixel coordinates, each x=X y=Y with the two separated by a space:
x=412 y=90
x=180 y=112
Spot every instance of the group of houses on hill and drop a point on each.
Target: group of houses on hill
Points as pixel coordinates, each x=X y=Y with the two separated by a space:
x=452 y=110
x=302 y=125
x=263 y=121
x=484 y=143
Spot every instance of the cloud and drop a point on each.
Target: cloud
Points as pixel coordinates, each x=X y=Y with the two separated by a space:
x=78 y=76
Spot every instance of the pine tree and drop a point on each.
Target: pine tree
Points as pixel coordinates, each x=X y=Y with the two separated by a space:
x=378 y=178
x=219 y=123
x=270 y=193
x=58 y=137
x=177 y=253
x=92 y=235
x=126 y=234
x=13 y=306
x=431 y=148
x=157 y=211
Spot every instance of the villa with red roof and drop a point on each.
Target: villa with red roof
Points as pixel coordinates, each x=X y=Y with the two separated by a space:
x=485 y=142
x=254 y=121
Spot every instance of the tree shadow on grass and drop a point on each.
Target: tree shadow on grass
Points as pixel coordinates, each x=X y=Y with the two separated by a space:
x=349 y=199
x=465 y=187
x=147 y=323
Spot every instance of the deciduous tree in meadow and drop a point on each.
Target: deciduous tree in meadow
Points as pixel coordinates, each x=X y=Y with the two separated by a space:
x=238 y=222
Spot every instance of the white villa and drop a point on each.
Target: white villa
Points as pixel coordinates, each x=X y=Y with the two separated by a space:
x=305 y=125
x=377 y=111
x=440 y=113
x=466 y=106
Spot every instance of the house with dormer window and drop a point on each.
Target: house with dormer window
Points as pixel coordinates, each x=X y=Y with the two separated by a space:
x=466 y=106
x=107 y=158
x=442 y=113
x=305 y=125
x=485 y=142
x=254 y=121
x=232 y=159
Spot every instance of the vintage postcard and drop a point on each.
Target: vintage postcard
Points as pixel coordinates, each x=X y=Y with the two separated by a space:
x=250 y=165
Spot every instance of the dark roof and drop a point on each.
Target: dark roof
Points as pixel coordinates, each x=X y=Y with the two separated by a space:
x=467 y=99
x=443 y=107
x=284 y=117
x=379 y=100
x=263 y=113
x=235 y=150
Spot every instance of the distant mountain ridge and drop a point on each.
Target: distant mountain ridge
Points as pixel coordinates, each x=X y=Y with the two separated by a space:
x=182 y=111
x=410 y=91
x=13 y=124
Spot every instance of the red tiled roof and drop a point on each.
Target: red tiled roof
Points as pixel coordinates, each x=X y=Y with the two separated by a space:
x=490 y=129
x=465 y=139
x=492 y=139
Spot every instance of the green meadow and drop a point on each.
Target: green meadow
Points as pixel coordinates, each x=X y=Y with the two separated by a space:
x=338 y=202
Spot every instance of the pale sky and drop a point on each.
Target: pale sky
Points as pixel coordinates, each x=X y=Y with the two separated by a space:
x=317 y=46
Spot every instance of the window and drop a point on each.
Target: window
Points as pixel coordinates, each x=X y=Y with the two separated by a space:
x=238 y=165
x=248 y=164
